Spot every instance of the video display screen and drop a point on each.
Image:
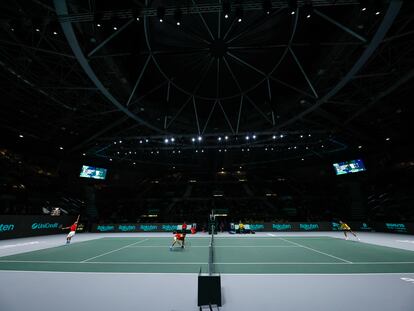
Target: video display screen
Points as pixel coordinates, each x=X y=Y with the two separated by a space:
x=93 y=172
x=347 y=167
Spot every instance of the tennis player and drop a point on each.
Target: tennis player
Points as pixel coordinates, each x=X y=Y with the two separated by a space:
x=345 y=228
x=184 y=228
x=178 y=238
x=72 y=230
x=241 y=227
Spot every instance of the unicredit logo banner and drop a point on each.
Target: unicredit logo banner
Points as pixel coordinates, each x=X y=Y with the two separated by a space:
x=6 y=227
x=46 y=225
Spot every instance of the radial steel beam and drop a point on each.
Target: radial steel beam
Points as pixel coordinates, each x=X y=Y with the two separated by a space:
x=203 y=20
x=392 y=12
x=376 y=99
x=346 y=29
x=303 y=72
x=102 y=44
x=196 y=116
x=139 y=79
x=239 y=115
x=62 y=9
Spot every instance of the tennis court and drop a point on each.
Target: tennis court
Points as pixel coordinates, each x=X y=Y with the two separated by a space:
x=231 y=254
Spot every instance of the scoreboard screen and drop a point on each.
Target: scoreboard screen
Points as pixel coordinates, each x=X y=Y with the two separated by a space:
x=347 y=167
x=93 y=172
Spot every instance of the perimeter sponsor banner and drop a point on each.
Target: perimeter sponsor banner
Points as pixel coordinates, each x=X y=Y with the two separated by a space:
x=157 y=227
x=355 y=226
x=301 y=226
x=288 y=226
x=17 y=226
x=395 y=227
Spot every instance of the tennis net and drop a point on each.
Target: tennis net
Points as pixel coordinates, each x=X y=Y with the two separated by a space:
x=211 y=252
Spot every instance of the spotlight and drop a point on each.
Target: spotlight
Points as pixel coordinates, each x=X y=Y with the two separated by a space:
x=166 y=140
x=161 y=13
x=146 y=140
x=363 y=5
x=97 y=25
x=172 y=139
x=219 y=139
x=110 y=159
x=140 y=141
x=37 y=30
x=281 y=136
x=226 y=137
x=274 y=136
x=135 y=14
x=247 y=137
x=21 y=136
x=202 y=150
x=308 y=9
x=254 y=136
x=84 y=154
x=55 y=33
x=199 y=138
x=177 y=16
x=239 y=13
x=301 y=136
x=359 y=147
x=193 y=139
x=120 y=141
x=61 y=148
x=97 y=18
x=292 y=5
x=303 y=159
x=377 y=13
x=115 y=28
x=387 y=139
x=226 y=8
x=267 y=6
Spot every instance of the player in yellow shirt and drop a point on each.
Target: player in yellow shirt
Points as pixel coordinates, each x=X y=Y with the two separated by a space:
x=345 y=228
x=241 y=227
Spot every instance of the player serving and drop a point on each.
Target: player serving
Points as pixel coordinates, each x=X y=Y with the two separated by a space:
x=72 y=230
x=345 y=228
x=178 y=238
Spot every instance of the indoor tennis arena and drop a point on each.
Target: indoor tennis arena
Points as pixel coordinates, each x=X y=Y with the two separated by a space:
x=230 y=155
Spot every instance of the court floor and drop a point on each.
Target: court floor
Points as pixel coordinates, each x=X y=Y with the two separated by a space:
x=232 y=255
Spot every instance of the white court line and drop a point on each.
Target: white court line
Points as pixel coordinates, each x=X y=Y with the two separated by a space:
x=223 y=246
x=223 y=274
x=115 y=250
x=19 y=244
x=347 y=261
x=204 y=263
